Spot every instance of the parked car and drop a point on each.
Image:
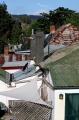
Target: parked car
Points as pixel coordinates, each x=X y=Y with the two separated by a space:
x=3 y=109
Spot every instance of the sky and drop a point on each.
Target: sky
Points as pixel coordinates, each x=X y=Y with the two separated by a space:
x=35 y=7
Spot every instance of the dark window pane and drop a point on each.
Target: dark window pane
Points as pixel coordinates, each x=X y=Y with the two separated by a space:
x=72 y=107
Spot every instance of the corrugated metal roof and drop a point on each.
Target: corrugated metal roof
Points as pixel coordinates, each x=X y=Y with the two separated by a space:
x=30 y=111
x=65 y=71
x=19 y=63
x=24 y=74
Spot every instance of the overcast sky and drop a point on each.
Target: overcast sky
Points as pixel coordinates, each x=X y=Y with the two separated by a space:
x=34 y=7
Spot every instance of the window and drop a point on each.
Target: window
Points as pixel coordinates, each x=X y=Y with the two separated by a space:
x=72 y=107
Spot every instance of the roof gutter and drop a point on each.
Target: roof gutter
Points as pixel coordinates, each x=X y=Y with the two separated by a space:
x=65 y=87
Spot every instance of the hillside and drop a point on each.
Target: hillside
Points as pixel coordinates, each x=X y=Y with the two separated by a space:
x=24 y=26
x=26 y=20
x=32 y=17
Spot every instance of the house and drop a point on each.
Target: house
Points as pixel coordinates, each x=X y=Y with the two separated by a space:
x=65 y=35
x=65 y=79
x=13 y=57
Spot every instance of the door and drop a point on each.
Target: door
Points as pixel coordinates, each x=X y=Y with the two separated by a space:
x=72 y=106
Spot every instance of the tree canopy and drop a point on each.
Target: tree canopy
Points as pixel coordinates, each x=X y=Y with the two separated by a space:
x=7 y=25
x=57 y=17
x=25 y=19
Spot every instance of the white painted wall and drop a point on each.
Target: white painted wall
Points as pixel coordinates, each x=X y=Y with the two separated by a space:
x=59 y=107
x=51 y=94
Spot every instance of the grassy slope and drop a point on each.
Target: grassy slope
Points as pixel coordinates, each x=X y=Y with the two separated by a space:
x=24 y=26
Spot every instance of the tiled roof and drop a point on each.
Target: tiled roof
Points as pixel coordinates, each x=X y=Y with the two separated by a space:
x=66 y=35
x=65 y=71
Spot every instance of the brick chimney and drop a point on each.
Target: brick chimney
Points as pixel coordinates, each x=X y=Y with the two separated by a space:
x=52 y=28
x=6 y=50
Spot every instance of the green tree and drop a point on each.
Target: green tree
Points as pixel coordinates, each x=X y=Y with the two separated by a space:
x=73 y=20
x=56 y=18
x=5 y=25
x=44 y=23
x=34 y=25
x=16 y=34
x=61 y=14
x=10 y=28
x=25 y=19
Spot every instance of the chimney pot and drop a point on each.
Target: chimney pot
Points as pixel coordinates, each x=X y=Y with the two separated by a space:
x=6 y=50
x=52 y=28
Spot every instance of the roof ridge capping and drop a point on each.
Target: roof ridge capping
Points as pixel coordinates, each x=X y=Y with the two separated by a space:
x=67 y=25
